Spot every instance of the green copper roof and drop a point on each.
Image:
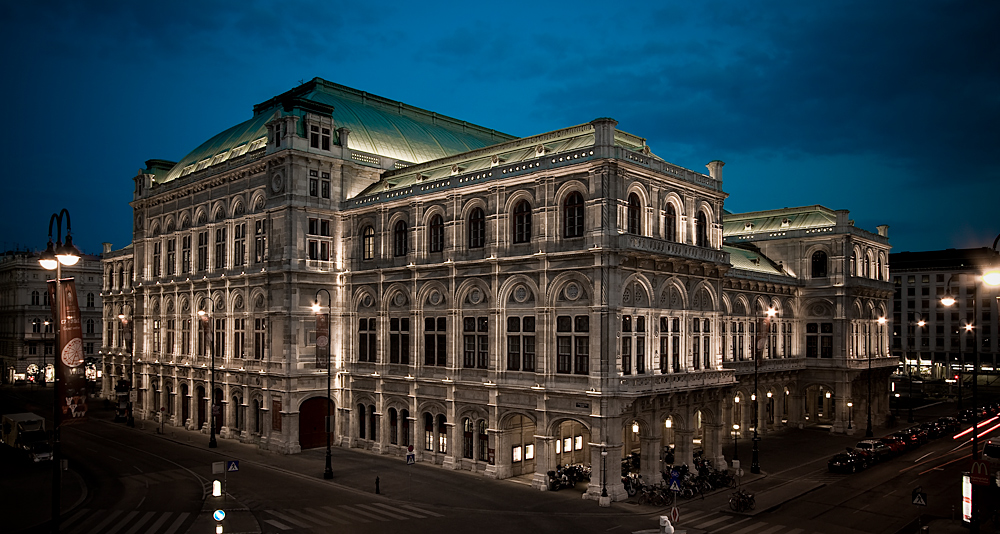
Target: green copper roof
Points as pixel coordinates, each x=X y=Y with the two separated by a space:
x=378 y=126
x=752 y=260
x=781 y=220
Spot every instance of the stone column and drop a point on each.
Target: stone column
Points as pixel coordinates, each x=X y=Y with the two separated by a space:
x=683 y=452
x=544 y=461
x=713 y=445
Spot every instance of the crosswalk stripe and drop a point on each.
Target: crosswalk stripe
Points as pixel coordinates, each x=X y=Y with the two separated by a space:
x=278 y=524
x=734 y=524
x=128 y=517
x=177 y=523
x=111 y=517
x=712 y=522
x=69 y=521
x=333 y=510
x=326 y=515
x=397 y=510
x=142 y=521
x=366 y=514
x=285 y=517
x=393 y=514
x=795 y=531
x=420 y=510
x=754 y=526
x=696 y=514
x=775 y=528
x=307 y=517
x=163 y=519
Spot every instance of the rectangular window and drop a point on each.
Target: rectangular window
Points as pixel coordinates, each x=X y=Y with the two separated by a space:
x=185 y=336
x=220 y=248
x=186 y=254
x=259 y=325
x=220 y=337
x=521 y=343
x=169 y=348
x=239 y=337
x=325 y=188
x=436 y=341
x=239 y=244
x=476 y=341
x=695 y=345
x=313 y=187
x=313 y=136
x=260 y=241
x=366 y=340
x=399 y=340
x=156 y=259
x=171 y=256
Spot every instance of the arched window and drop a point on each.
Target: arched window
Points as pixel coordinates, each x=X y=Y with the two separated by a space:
x=878 y=268
x=483 y=441
x=362 y=412
x=522 y=222
x=368 y=243
x=436 y=237
x=45 y=298
x=372 y=423
x=90 y=326
x=854 y=263
x=36 y=326
x=90 y=300
x=393 y=427
x=868 y=266
x=442 y=434
x=399 y=239
x=428 y=432
x=701 y=229
x=573 y=215
x=405 y=434
x=819 y=264
x=467 y=438
x=634 y=211
x=670 y=223
x=477 y=228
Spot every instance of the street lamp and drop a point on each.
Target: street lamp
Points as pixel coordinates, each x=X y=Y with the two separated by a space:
x=736 y=442
x=850 y=414
x=206 y=322
x=127 y=333
x=909 y=368
x=604 y=471
x=323 y=356
x=54 y=257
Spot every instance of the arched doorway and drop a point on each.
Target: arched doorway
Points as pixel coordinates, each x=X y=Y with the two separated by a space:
x=519 y=433
x=217 y=411
x=572 y=443
x=312 y=415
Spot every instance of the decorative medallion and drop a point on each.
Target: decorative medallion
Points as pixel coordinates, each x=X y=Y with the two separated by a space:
x=475 y=296
x=367 y=301
x=399 y=299
x=521 y=294
x=627 y=296
x=572 y=291
x=277 y=182
x=434 y=298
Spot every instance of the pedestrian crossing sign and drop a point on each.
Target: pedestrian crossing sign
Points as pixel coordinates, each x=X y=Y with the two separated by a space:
x=232 y=465
x=674 y=486
x=411 y=459
x=920 y=499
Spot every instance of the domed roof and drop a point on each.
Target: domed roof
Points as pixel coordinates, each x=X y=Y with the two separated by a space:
x=378 y=126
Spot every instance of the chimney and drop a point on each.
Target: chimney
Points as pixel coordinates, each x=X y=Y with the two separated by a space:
x=604 y=132
x=106 y=247
x=715 y=169
x=344 y=134
x=883 y=230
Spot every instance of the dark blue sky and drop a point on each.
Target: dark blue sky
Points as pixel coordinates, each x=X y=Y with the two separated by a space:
x=888 y=109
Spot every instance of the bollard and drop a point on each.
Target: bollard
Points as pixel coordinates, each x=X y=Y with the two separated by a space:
x=665 y=526
x=376 y=485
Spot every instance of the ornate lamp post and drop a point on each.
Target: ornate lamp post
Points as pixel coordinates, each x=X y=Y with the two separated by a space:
x=850 y=414
x=323 y=354
x=604 y=471
x=54 y=257
x=206 y=322
x=736 y=442
x=127 y=333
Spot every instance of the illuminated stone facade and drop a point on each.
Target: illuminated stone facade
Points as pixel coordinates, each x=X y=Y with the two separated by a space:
x=503 y=307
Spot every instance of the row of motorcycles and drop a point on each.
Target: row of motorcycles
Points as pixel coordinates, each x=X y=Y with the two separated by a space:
x=690 y=482
x=566 y=476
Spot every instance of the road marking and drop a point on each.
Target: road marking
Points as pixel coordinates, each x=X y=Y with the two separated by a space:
x=326 y=515
x=754 y=526
x=278 y=524
x=775 y=528
x=421 y=510
x=391 y=514
x=142 y=521
x=297 y=513
x=362 y=512
x=334 y=511
x=734 y=524
x=177 y=523
x=693 y=515
x=397 y=510
x=285 y=517
x=795 y=531
x=128 y=517
x=111 y=517
x=69 y=521
x=115 y=459
x=155 y=526
x=710 y=523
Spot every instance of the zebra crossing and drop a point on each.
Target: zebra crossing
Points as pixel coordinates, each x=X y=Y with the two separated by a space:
x=718 y=522
x=88 y=521
x=159 y=477
x=324 y=517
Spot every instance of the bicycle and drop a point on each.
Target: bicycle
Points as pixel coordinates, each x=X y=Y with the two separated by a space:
x=741 y=501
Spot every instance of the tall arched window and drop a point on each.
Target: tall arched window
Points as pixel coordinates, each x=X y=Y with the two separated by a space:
x=393 y=427
x=467 y=438
x=362 y=412
x=634 y=212
x=868 y=266
x=819 y=264
x=372 y=423
x=36 y=298
x=36 y=326
x=436 y=236
x=399 y=247
x=854 y=263
x=701 y=229
x=573 y=215
x=368 y=243
x=90 y=326
x=442 y=434
x=483 y=441
x=670 y=223
x=477 y=228
x=522 y=222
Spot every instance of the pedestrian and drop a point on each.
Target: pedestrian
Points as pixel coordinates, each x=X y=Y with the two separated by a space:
x=376 y=485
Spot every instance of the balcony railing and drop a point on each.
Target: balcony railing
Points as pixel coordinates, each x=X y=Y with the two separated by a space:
x=671 y=248
x=766 y=365
x=675 y=381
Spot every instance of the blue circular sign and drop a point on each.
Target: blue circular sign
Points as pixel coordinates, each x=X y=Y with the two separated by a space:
x=219 y=515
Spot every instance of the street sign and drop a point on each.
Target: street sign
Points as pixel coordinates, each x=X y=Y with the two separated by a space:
x=232 y=465
x=674 y=514
x=411 y=459
x=219 y=515
x=674 y=486
x=979 y=474
x=218 y=468
x=918 y=497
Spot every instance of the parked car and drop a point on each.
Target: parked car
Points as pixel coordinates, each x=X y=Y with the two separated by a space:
x=921 y=434
x=895 y=443
x=876 y=450
x=847 y=462
x=909 y=438
x=967 y=414
x=933 y=430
